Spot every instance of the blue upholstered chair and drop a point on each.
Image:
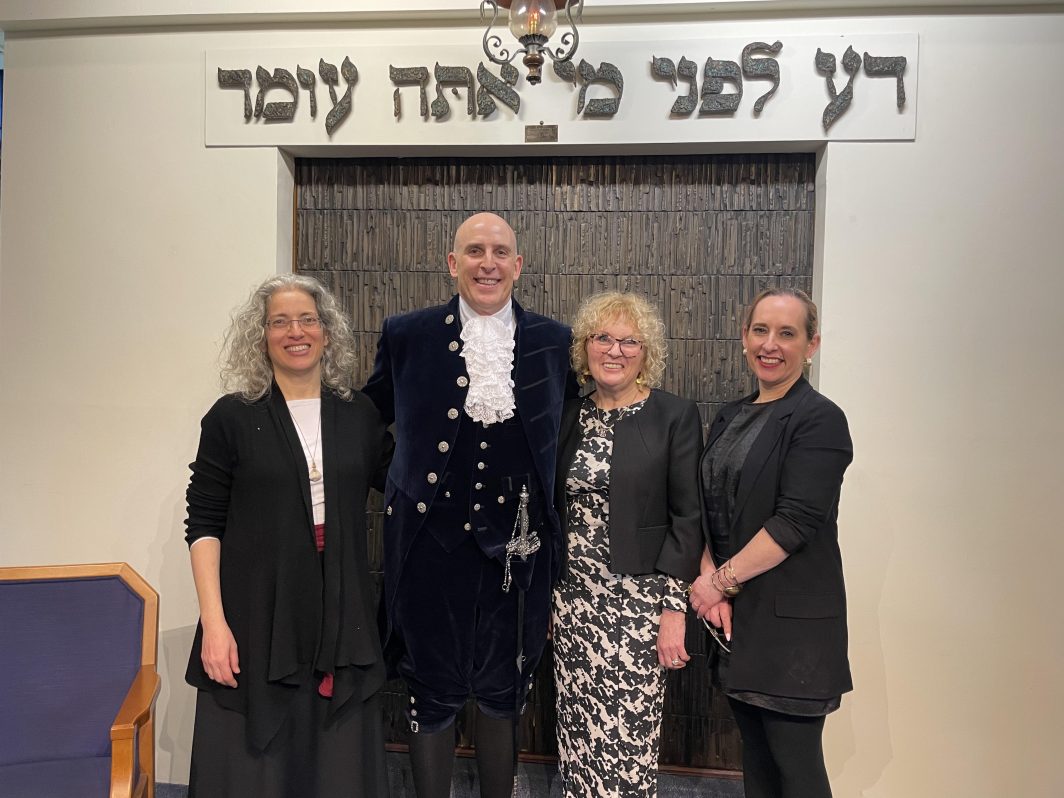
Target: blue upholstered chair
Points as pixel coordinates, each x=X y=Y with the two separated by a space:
x=78 y=645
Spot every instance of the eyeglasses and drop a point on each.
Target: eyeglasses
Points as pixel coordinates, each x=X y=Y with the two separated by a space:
x=717 y=636
x=603 y=342
x=281 y=324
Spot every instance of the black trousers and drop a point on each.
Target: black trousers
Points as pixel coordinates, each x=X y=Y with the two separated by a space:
x=783 y=755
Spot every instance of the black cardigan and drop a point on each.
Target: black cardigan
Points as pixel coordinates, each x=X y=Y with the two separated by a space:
x=654 y=495
x=290 y=614
x=789 y=626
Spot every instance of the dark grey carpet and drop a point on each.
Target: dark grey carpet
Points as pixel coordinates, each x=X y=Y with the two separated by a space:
x=533 y=781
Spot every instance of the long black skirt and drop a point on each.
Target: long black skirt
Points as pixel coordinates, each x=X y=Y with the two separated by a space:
x=307 y=758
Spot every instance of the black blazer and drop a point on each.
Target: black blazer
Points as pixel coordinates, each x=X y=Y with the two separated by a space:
x=654 y=498
x=789 y=627
x=291 y=612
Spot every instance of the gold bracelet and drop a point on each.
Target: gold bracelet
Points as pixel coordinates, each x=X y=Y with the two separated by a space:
x=730 y=571
x=730 y=590
x=715 y=580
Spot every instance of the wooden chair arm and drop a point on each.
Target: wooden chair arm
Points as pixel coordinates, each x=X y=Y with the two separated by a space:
x=136 y=711
x=138 y=704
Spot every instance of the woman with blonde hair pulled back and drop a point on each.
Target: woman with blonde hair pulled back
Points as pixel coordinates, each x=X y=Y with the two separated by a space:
x=771 y=587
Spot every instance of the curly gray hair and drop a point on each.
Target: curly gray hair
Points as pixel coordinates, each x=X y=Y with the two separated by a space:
x=245 y=366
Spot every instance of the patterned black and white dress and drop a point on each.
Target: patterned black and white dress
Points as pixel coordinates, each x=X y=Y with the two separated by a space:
x=610 y=685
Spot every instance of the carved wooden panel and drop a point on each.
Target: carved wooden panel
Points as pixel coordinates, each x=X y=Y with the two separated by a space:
x=698 y=235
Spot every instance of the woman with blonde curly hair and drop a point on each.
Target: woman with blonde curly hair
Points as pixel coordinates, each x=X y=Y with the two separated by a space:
x=627 y=491
x=286 y=657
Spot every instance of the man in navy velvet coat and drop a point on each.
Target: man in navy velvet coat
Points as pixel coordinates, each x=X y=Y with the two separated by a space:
x=475 y=389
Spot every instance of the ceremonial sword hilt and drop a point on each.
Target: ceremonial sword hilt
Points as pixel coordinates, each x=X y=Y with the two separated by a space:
x=522 y=543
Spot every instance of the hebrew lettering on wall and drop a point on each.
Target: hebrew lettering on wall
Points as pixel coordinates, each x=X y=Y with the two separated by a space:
x=237 y=79
x=492 y=86
x=840 y=101
x=452 y=76
x=307 y=81
x=606 y=73
x=754 y=68
x=701 y=87
x=409 y=76
x=881 y=66
x=688 y=71
x=280 y=79
x=340 y=108
x=874 y=66
x=714 y=100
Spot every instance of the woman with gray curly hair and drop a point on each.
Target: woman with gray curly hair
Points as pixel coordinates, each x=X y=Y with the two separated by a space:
x=286 y=658
x=627 y=490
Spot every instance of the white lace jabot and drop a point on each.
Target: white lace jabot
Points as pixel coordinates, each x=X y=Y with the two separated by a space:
x=488 y=349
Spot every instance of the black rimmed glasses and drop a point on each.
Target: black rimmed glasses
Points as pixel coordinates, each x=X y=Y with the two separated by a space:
x=603 y=342
x=281 y=324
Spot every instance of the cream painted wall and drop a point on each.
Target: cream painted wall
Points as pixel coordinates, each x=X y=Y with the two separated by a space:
x=124 y=243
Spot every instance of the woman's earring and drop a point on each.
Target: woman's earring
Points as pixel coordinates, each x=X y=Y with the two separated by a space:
x=744 y=350
x=809 y=361
x=639 y=380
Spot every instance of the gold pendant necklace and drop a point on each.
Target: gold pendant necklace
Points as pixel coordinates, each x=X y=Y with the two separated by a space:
x=315 y=474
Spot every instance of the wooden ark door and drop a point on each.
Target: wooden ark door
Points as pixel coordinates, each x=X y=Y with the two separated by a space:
x=698 y=235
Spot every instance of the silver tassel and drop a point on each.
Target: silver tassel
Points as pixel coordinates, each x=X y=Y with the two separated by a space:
x=522 y=542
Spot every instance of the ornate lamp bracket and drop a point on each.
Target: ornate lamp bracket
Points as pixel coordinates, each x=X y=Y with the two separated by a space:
x=533 y=45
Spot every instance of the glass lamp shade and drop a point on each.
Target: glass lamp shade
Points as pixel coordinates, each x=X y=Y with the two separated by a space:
x=533 y=17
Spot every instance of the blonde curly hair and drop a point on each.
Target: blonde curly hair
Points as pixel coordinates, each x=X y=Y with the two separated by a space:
x=245 y=366
x=599 y=310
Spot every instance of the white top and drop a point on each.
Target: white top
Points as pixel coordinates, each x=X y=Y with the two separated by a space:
x=306 y=415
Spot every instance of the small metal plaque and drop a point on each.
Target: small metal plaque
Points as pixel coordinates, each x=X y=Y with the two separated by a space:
x=538 y=134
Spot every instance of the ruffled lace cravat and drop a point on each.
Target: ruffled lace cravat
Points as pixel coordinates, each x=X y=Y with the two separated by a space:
x=488 y=349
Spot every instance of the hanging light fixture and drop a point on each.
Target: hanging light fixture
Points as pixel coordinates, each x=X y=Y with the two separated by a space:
x=532 y=23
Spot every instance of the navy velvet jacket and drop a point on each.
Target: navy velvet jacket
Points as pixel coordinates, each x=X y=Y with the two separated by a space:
x=419 y=377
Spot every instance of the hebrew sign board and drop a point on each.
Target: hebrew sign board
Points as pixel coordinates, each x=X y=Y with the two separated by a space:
x=789 y=89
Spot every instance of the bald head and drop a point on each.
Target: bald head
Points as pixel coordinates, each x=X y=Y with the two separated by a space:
x=484 y=262
x=482 y=221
